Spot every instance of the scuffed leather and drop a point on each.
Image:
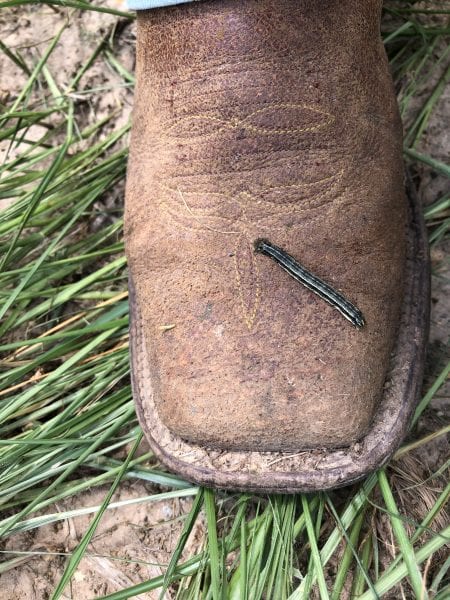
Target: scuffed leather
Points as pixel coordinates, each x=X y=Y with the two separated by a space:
x=266 y=119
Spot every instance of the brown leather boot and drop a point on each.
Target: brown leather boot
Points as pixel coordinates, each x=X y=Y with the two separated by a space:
x=271 y=119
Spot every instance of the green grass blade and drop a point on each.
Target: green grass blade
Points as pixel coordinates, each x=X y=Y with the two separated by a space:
x=188 y=525
x=389 y=580
x=243 y=579
x=443 y=571
x=107 y=434
x=318 y=567
x=360 y=578
x=217 y=579
x=440 y=380
x=349 y=553
x=87 y=537
x=406 y=549
x=437 y=165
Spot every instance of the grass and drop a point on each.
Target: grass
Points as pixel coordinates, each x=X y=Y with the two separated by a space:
x=67 y=422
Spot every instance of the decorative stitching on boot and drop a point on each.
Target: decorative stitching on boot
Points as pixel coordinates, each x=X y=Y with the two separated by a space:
x=242 y=122
x=254 y=215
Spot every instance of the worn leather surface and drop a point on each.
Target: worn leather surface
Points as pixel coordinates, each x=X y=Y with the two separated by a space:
x=277 y=120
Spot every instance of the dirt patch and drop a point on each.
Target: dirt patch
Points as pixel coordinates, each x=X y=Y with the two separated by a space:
x=131 y=545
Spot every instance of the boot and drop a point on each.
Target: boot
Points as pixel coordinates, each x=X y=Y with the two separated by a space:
x=267 y=131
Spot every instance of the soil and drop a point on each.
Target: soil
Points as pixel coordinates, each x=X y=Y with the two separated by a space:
x=131 y=546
